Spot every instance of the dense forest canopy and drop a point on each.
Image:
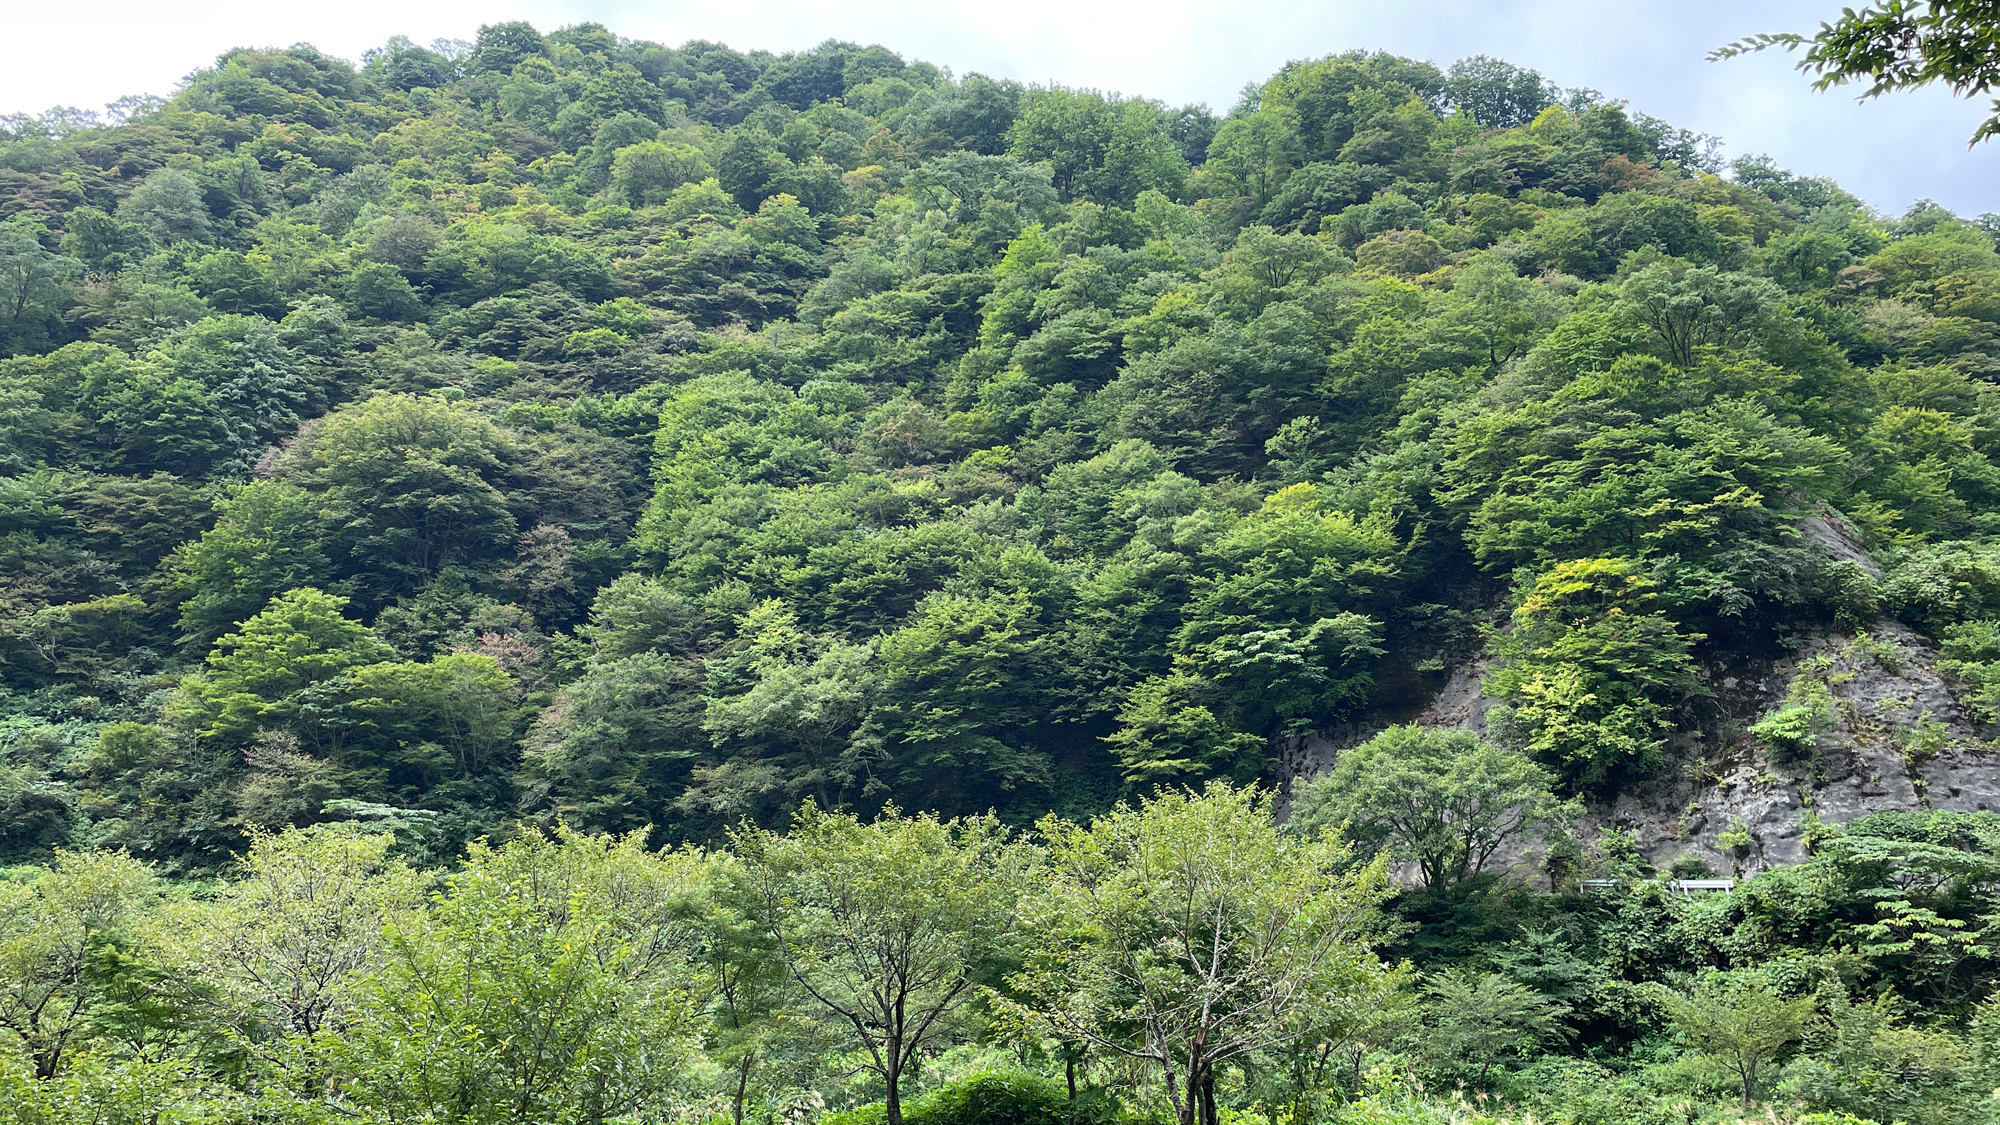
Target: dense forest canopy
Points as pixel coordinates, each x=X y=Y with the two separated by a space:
x=942 y=511
x=572 y=427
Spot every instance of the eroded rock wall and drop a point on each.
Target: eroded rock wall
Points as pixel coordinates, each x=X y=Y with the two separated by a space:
x=1895 y=738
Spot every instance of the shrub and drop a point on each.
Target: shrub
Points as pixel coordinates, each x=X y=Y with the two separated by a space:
x=985 y=1097
x=993 y=1097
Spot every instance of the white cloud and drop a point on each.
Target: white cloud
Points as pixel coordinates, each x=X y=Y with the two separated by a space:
x=1649 y=52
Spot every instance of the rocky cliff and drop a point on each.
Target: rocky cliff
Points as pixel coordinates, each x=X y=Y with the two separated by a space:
x=1850 y=723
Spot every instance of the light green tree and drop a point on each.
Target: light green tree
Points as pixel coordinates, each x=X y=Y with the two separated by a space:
x=648 y=172
x=1495 y=312
x=1445 y=800
x=289 y=943
x=429 y=720
x=1591 y=670
x=550 y=979
x=301 y=639
x=1278 y=260
x=267 y=539
x=1278 y=625
x=762 y=1031
x=636 y=614
x=1484 y=1019
x=47 y=928
x=1741 y=1021
x=1879 y=1066
x=102 y=243
x=886 y=924
x=1169 y=729
x=1190 y=932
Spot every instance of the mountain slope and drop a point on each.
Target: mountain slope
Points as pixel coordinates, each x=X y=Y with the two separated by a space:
x=572 y=427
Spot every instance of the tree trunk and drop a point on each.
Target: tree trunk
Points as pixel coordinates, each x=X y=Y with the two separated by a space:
x=1069 y=1075
x=893 y=1078
x=1198 y=1107
x=742 y=1086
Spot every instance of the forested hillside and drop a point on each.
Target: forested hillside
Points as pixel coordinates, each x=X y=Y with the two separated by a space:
x=959 y=522
x=571 y=427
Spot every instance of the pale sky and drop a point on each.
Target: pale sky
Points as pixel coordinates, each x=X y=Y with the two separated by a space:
x=1648 y=52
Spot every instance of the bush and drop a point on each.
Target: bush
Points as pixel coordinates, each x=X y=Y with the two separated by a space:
x=993 y=1097
x=1792 y=731
x=874 y=1113
x=986 y=1097
x=1592 y=671
x=1937 y=585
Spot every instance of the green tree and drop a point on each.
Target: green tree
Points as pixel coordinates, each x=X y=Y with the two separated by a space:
x=1250 y=159
x=79 y=640
x=1277 y=624
x=1443 y=799
x=380 y=291
x=233 y=283
x=1898 y=45
x=103 y=243
x=1189 y=933
x=1743 y=1022
x=1497 y=94
x=807 y=697
x=1279 y=260
x=35 y=284
x=255 y=384
x=758 y=1032
x=169 y=206
x=614 y=750
x=415 y=725
x=1592 y=671
x=1484 y=1019
x=291 y=940
x=1103 y=149
x=550 y=978
x=1496 y=312
x=636 y=614
x=1168 y=730
x=747 y=163
x=409 y=485
x=1878 y=1065
x=645 y=174
x=47 y=929
x=1688 y=309
x=255 y=674
x=887 y=925
x=267 y=539
x=959 y=681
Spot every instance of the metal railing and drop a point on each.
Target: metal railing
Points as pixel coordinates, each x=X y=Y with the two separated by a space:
x=1677 y=886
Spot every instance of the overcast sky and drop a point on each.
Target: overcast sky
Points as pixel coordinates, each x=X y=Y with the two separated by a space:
x=1648 y=52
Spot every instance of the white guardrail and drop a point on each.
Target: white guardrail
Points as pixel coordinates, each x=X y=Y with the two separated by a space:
x=1677 y=886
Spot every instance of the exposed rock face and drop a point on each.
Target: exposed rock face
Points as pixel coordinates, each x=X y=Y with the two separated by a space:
x=1890 y=736
x=1827 y=531
x=1898 y=740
